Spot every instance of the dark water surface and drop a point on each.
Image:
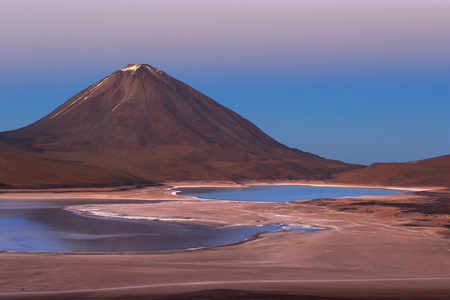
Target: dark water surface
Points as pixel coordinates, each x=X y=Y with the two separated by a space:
x=44 y=226
x=283 y=193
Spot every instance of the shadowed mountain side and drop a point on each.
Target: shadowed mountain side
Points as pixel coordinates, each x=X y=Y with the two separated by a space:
x=142 y=121
x=429 y=172
x=19 y=170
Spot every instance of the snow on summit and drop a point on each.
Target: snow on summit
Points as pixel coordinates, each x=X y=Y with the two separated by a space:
x=131 y=67
x=134 y=67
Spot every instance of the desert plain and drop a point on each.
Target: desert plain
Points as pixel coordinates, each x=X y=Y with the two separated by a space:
x=372 y=247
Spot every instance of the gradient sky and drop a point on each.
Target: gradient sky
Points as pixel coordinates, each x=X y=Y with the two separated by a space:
x=360 y=81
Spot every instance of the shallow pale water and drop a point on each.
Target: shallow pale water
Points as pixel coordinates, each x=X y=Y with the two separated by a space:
x=44 y=226
x=283 y=193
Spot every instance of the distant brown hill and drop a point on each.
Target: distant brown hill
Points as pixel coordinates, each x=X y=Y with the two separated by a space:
x=428 y=172
x=142 y=121
x=440 y=161
x=20 y=170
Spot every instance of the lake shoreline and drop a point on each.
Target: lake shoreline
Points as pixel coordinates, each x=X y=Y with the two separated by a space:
x=140 y=191
x=371 y=238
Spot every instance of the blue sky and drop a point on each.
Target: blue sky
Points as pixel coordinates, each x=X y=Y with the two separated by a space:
x=361 y=81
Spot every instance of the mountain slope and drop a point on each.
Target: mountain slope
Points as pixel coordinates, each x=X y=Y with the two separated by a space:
x=428 y=172
x=439 y=161
x=142 y=121
x=20 y=170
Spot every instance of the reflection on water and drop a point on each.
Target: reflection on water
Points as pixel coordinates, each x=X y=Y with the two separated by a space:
x=44 y=226
x=283 y=193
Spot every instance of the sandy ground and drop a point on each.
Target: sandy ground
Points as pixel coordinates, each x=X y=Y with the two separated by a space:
x=378 y=247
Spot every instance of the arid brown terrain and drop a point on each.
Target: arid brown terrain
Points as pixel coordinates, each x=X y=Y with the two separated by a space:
x=428 y=172
x=29 y=171
x=374 y=247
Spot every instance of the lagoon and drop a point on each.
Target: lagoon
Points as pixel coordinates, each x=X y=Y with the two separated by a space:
x=44 y=225
x=282 y=193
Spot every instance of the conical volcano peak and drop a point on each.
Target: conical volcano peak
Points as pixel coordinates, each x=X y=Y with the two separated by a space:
x=145 y=122
x=135 y=67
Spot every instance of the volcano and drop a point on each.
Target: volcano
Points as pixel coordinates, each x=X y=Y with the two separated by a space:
x=144 y=122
